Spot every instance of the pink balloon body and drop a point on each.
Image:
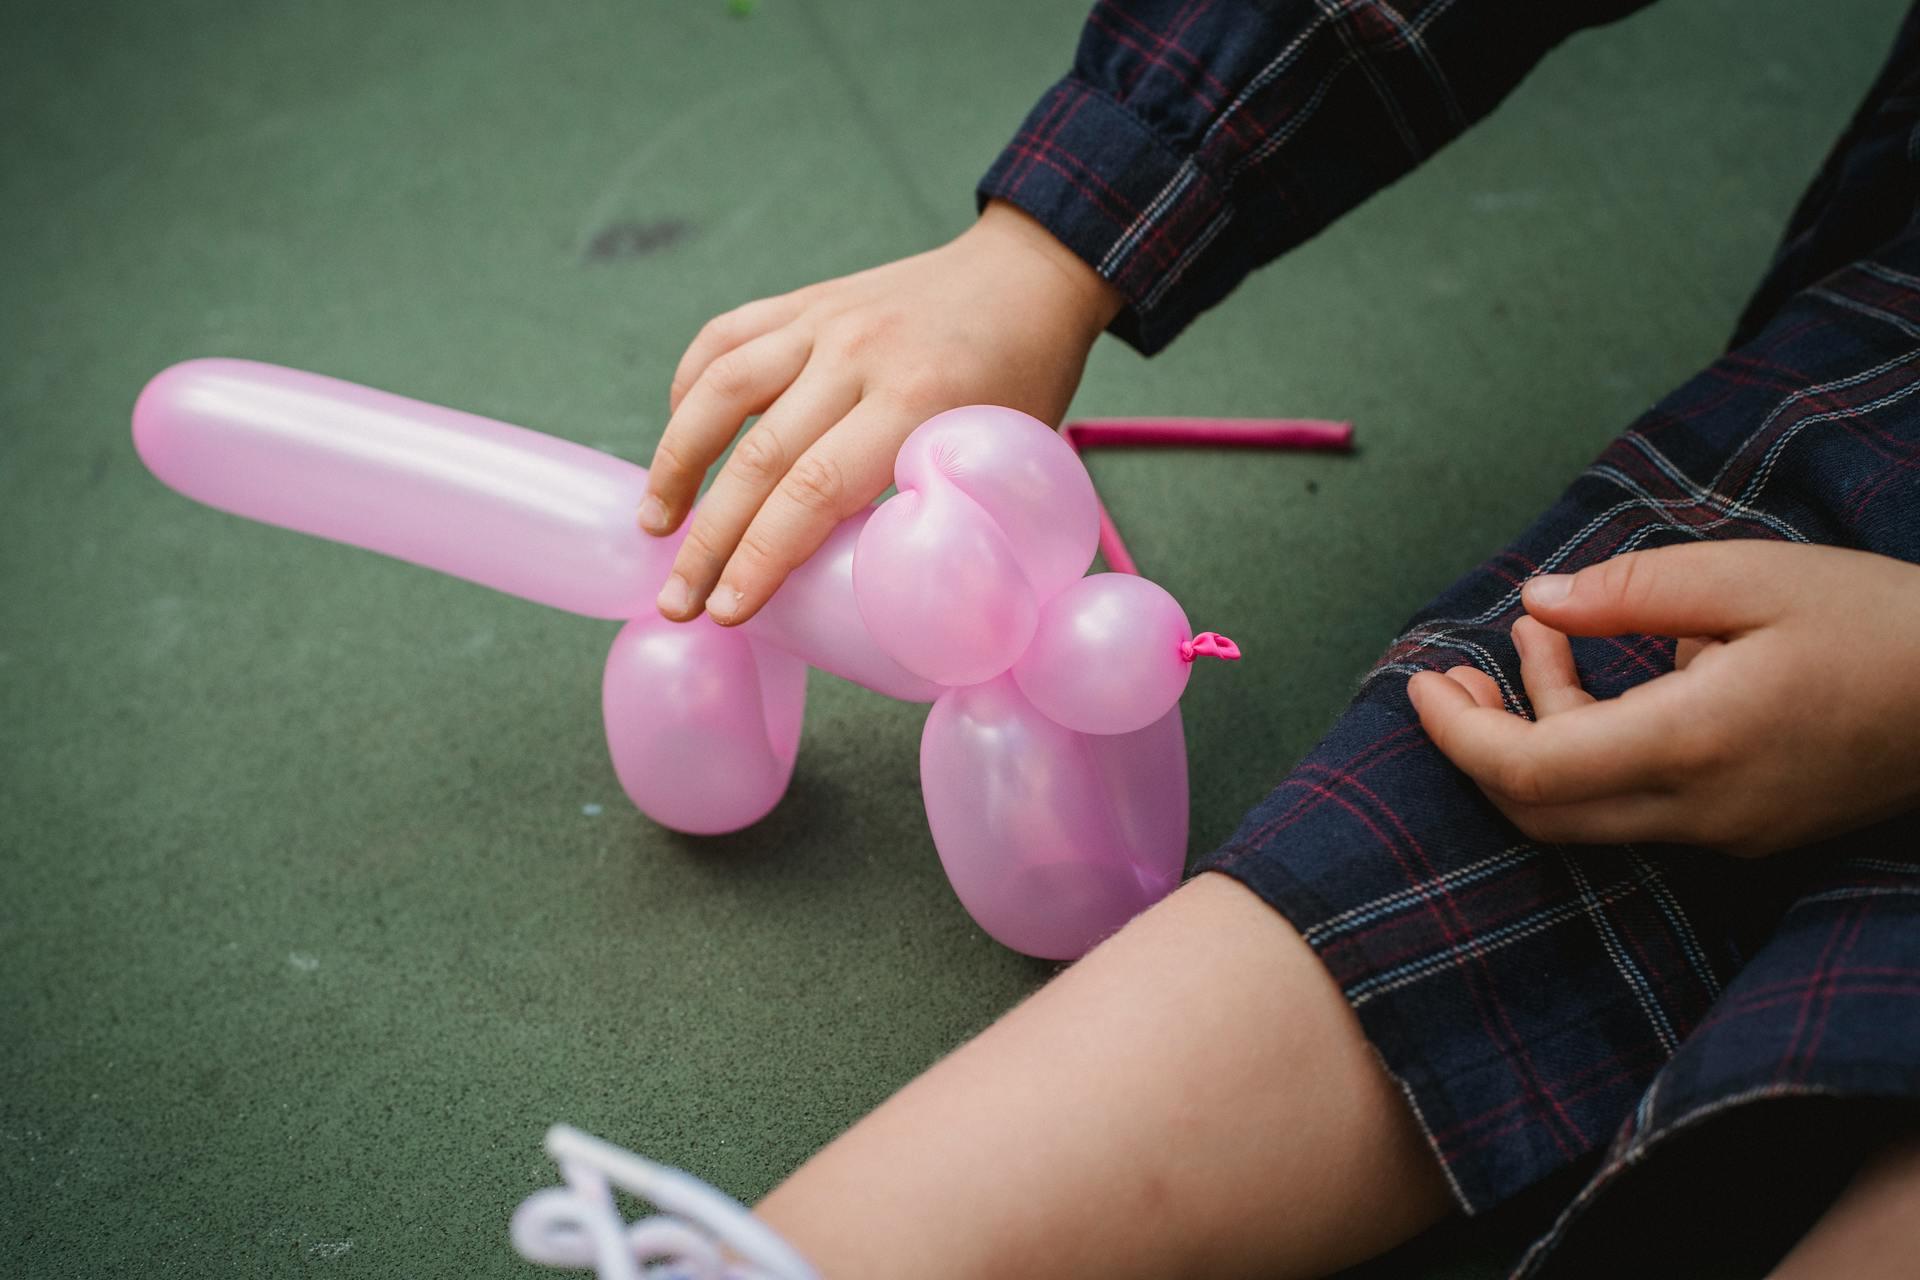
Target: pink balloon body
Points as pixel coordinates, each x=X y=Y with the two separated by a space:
x=814 y=615
x=1105 y=657
x=536 y=517
x=963 y=590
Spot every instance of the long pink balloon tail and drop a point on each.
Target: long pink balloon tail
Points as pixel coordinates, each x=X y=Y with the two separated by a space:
x=1232 y=433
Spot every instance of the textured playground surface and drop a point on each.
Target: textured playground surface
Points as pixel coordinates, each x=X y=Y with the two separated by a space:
x=318 y=898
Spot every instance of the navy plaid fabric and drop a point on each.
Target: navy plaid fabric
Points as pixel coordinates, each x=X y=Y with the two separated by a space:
x=1681 y=1022
x=1195 y=140
x=1527 y=996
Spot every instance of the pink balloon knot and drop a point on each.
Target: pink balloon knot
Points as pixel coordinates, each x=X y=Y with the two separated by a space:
x=1209 y=644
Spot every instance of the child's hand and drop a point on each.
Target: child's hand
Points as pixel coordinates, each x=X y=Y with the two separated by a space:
x=1793 y=712
x=842 y=372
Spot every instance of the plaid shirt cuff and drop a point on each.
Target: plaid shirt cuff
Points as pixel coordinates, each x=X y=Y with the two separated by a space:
x=1099 y=178
x=1197 y=139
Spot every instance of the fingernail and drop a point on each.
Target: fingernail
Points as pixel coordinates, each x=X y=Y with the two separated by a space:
x=653 y=515
x=674 y=597
x=1549 y=588
x=724 y=602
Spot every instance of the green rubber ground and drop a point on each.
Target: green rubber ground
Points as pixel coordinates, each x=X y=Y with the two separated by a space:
x=318 y=899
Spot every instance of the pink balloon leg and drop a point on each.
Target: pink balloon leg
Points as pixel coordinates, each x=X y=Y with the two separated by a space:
x=1052 y=839
x=702 y=723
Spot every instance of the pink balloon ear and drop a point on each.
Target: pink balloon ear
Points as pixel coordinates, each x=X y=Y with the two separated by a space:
x=940 y=588
x=1028 y=480
x=994 y=516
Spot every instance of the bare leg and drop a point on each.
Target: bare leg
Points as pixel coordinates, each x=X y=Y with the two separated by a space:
x=1873 y=1229
x=1193 y=1098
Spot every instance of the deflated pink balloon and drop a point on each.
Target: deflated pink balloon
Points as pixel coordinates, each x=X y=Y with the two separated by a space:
x=1106 y=656
x=1052 y=839
x=702 y=723
x=994 y=515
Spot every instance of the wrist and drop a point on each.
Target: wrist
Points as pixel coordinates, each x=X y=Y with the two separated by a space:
x=1091 y=298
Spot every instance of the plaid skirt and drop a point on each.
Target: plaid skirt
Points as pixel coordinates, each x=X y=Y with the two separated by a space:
x=1718 y=1042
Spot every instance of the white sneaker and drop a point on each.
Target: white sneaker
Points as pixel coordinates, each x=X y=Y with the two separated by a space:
x=700 y=1234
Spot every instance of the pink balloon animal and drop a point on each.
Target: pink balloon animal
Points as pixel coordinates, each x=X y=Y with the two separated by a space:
x=1053 y=764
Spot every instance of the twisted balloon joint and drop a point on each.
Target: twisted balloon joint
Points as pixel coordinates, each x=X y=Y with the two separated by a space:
x=1053 y=761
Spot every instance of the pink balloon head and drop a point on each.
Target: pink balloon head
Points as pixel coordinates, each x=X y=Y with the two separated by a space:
x=1053 y=761
x=1107 y=655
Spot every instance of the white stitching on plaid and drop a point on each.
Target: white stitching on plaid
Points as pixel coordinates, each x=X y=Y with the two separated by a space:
x=1758 y=480
x=1884 y=864
x=1426 y=1131
x=1682 y=927
x=1194 y=250
x=1276 y=140
x=1479 y=946
x=1640 y=536
x=1420 y=894
x=1712 y=497
x=1130 y=239
x=1418 y=46
x=1610 y=939
x=1442 y=626
x=1863 y=891
x=1335 y=10
x=1483 y=660
x=1805 y=393
x=1899 y=322
x=1636 y=1151
x=1881 y=271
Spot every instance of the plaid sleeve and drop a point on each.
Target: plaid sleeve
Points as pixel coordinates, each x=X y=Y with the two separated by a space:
x=1195 y=140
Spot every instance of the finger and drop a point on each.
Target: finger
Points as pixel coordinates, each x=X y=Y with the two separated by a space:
x=1700 y=589
x=1621 y=819
x=758 y=463
x=1688 y=648
x=743 y=382
x=1480 y=685
x=726 y=331
x=1546 y=668
x=1608 y=748
x=842 y=472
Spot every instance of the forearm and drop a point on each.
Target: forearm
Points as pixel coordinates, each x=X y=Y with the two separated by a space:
x=1193 y=1098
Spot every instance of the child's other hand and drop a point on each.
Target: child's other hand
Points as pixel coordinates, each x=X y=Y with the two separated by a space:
x=841 y=373
x=1793 y=712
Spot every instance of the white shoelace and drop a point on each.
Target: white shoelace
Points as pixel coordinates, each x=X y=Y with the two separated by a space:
x=700 y=1234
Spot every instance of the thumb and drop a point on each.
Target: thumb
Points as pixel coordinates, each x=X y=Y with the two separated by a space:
x=1697 y=589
